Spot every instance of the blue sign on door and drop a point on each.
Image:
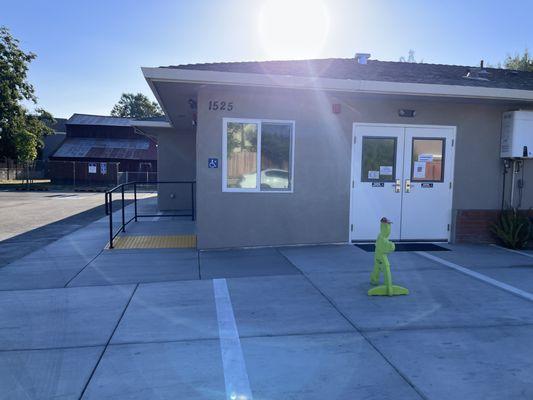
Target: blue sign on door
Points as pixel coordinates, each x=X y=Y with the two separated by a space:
x=212 y=163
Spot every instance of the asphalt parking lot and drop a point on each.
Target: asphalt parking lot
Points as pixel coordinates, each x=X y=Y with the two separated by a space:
x=31 y=220
x=78 y=321
x=21 y=212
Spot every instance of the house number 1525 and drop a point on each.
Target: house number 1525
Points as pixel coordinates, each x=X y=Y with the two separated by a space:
x=215 y=105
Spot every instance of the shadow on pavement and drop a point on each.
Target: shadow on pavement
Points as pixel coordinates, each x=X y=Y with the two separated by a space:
x=18 y=246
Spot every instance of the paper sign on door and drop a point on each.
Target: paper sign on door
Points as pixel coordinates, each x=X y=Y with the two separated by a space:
x=385 y=170
x=419 y=170
x=425 y=157
x=373 y=174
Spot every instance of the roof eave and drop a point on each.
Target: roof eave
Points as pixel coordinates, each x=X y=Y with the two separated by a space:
x=151 y=124
x=328 y=84
x=155 y=92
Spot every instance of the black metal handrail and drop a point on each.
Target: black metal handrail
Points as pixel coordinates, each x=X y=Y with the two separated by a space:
x=124 y=223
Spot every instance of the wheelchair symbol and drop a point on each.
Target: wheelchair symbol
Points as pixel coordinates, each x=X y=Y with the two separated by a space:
x=212 y=163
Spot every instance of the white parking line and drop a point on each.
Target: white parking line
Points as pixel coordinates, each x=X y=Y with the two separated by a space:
x=235 y=374
x=73 y=197
x=481 y=277
x=513 y=251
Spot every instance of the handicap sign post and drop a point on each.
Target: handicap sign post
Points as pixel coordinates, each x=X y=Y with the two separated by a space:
x=212 y=163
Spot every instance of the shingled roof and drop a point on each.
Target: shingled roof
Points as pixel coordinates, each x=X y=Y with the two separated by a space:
x=386 y=71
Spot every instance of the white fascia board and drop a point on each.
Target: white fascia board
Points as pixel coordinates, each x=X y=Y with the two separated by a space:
x=152 y=124
x=424 y=89
x=328 y=84
x=238 y=79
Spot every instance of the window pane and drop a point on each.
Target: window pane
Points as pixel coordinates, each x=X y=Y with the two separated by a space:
x=427 y=160
x=276 y=156
x=242 y=155
x=379 y=159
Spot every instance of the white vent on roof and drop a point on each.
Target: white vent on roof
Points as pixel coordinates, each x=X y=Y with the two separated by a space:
x=362 y=58
x=480 y=74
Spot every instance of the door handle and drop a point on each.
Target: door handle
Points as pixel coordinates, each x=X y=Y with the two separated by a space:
x=398 y=186
x=407 y=185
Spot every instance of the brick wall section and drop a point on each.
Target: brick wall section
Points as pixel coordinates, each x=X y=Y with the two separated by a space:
x=473 y=226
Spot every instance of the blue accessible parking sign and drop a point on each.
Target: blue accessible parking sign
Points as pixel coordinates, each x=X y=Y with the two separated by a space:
x=212 y=163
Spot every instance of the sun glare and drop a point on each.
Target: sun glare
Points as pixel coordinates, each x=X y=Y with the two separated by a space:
x=293 y=29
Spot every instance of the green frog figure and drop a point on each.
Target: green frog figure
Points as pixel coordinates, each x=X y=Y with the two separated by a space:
x=381 y=264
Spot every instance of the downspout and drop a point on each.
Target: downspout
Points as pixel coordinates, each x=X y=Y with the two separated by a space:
x=505 y=169
x=513 y=164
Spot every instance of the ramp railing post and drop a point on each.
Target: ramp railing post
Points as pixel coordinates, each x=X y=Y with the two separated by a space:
x=123 y=211
x=192 y=200
x=110 y=220
x=135 y=199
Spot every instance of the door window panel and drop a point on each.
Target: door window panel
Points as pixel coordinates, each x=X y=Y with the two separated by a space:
x=242 y=155
x=427 y=163
x=275 y=156
x=378 y=159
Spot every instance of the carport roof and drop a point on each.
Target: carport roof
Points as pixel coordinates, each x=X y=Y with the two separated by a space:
x=374 y=70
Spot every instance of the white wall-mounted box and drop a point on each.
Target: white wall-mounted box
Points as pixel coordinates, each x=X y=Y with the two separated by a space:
x=517 y=135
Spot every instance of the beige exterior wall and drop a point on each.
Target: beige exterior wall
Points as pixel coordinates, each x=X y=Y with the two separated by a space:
x=176 y=155
x=318 y=210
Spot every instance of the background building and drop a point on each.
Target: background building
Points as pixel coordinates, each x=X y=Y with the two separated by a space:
x=52 y=142
x=103 y=150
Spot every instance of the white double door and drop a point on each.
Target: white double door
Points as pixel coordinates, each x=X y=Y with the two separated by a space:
x=404 y=173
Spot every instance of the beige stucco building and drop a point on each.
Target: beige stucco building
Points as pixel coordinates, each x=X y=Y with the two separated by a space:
x=301 y=152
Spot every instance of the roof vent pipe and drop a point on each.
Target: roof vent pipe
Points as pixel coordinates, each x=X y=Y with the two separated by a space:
x=362 y=58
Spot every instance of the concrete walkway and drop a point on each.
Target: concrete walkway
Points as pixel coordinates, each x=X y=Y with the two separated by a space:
x=78 y=321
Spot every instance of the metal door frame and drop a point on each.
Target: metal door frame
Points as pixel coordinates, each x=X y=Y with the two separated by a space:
x=355 y=125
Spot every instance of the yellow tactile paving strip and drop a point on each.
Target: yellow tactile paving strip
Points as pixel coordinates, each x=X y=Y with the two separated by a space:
x=155 y=242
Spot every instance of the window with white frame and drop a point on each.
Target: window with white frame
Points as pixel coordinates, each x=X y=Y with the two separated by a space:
x=250 y=146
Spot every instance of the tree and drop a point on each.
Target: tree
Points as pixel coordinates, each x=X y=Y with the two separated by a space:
x=27 y=141
x=20 y=132
x=519 y=62
x=136 y=106
x=410 y=58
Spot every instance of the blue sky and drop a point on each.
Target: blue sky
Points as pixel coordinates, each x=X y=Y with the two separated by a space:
x=89 y=52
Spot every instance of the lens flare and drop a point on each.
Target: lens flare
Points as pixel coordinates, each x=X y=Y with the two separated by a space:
x=293 y=29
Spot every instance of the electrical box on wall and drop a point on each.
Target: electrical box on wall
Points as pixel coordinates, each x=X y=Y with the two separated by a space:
x=517 y=135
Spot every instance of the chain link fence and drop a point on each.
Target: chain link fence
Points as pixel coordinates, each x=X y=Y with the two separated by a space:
x=82 y=173
x=11 y=170
x=142 y=177
x=71 y=173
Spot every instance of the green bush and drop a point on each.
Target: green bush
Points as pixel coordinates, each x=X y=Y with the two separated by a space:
x=513 y=228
